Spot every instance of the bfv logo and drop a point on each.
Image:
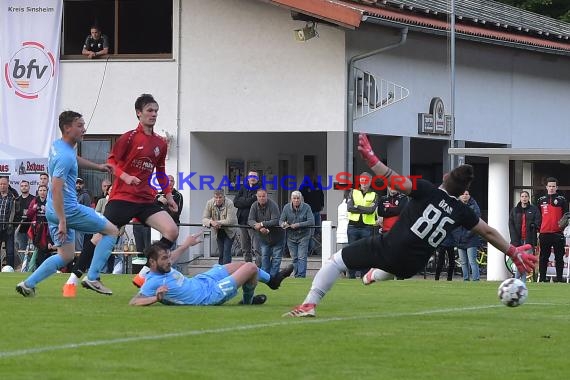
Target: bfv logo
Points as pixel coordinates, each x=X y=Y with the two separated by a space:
x=30 y=70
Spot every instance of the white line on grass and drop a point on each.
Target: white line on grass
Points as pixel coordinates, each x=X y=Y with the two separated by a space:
x=289 y=321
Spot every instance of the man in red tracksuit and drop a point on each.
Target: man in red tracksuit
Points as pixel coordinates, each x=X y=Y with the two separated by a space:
x=552 y=206
x=390 y=207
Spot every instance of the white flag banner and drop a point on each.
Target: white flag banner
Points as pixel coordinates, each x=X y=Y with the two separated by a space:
x=30 y=39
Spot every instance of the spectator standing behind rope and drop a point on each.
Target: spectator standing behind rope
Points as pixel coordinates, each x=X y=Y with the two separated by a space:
x=524 y=221
x=390 y=207
x=38 y=230
x=552 y=207
x=362 y=206
x=468 y=241
x=219 y=214
x=243 y=201
x=296 y=217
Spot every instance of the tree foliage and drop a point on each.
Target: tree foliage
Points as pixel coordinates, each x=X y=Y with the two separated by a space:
x=557 y=9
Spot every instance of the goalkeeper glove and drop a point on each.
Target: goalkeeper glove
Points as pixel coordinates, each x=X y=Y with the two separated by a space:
x=524 y=260
x=366 y=151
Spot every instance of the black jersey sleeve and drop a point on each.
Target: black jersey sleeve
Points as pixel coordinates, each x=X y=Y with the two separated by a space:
x=468 y=217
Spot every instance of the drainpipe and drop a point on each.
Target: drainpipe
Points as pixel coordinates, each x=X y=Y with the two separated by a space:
x=351 y=89
x=178 y=90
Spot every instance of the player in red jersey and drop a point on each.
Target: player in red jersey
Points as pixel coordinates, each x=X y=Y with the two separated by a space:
x=134 y=157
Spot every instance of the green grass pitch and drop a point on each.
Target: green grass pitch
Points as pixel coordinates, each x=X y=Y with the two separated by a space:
x=413 y=329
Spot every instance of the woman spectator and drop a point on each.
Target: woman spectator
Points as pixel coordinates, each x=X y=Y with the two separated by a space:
x=39 y=231
x=467 y=242
x=524 y=223
x=296 y=217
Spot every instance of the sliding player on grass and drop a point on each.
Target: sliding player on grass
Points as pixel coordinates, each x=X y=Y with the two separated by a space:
x=430 y=215
x=214 y=287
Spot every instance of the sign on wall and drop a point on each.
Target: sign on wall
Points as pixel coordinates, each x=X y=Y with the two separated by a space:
x=436 y=122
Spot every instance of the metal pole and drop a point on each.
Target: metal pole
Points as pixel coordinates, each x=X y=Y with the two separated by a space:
x=350 y=93
x=452 y=158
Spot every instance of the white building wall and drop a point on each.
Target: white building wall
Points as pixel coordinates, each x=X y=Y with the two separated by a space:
x=113 y=110
x=243 y=70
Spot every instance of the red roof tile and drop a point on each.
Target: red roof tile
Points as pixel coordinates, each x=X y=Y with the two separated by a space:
x=474 y=30
x=350 y=14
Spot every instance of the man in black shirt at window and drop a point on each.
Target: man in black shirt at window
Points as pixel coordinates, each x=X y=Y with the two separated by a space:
x=96 y=44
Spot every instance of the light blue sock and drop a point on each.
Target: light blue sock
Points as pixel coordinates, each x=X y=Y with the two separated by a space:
x=48 y=267
x=263 y=276
x=248 y=290
x=101 y=255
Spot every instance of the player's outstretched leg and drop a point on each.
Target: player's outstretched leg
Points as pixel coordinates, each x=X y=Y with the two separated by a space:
x=322 y=283
x=51 y=265
x=275 y=281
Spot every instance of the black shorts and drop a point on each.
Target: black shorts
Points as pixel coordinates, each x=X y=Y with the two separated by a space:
x=376 y=252
x=121 y=212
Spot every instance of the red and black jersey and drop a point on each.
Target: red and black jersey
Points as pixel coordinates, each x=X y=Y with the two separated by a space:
x=389 y=208
x=552 y=207
x=138 y=154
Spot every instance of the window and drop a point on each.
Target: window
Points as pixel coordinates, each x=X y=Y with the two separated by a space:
x=95 y=148
x=134 y=27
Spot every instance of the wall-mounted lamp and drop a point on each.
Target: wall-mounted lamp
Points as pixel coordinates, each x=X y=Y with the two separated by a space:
x=308 y=32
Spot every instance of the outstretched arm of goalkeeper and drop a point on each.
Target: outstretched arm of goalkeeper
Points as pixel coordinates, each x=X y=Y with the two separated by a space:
x=402 y=184
x=524 y=260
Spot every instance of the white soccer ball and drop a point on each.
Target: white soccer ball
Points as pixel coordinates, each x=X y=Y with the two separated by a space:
x=7 y=268
x=512 y=292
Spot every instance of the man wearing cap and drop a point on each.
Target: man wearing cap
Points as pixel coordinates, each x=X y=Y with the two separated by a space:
x=83 y=198
x=362 y=206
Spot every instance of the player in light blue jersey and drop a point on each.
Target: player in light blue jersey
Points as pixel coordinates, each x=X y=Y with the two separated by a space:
x=213 y=287
x=63 y=213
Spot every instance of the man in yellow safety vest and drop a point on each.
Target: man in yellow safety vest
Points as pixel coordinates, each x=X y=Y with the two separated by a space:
x=362 y=207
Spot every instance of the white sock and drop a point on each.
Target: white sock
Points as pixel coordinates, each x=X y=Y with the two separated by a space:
x=325 y=278
x=381 y=275
x=73 y=279
x=144 y=271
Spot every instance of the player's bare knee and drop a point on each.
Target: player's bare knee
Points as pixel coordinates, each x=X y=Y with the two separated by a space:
x=250 y=268
x=171 y=233
x=111 y=229
x=115 y=231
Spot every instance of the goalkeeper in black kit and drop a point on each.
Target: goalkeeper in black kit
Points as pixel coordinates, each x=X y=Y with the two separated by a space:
x=431 y=214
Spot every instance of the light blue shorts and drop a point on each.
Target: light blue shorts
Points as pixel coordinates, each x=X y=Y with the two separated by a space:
x=82 y=219
x=222 y=287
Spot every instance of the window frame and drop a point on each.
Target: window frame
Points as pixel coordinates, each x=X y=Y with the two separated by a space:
x=114 y=38
x=95 y=188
